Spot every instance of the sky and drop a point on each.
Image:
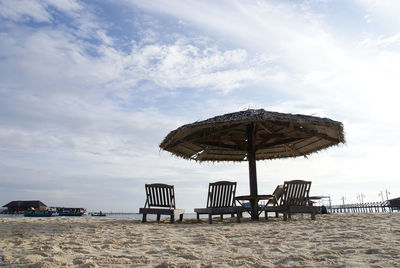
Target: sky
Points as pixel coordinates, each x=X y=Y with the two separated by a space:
x=89 y=89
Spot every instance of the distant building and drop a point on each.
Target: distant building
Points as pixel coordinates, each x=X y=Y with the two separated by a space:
x=395 y=203
x=20 y=206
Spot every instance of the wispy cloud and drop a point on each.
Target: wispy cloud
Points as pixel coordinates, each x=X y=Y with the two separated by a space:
x=24 y=10
x=184 y=64
x=381 y=14
x=38 y=11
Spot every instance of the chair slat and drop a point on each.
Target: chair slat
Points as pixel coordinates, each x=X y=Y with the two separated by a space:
x=151 y=196
x=211 y=195
x=217 y=196
x=228 y=196
x=157 y=196
x=224 y=195
x=163 y=193
x=220 y=190
x=172 y=197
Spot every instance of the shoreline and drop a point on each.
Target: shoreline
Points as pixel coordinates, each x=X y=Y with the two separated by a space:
x=350 y=240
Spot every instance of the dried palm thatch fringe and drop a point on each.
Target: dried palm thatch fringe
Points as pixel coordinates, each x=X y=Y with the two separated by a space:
x=277 y=135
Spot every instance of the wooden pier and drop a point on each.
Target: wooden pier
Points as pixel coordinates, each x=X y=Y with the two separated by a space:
x=373 y=207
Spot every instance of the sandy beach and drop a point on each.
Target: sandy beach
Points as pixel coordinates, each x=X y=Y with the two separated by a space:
x=363 y=240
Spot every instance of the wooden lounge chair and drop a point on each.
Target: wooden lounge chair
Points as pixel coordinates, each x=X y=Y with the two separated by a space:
x=295 y=199
x=277 y=194
x=160 y=200
x=220 y=201
x=274 y=201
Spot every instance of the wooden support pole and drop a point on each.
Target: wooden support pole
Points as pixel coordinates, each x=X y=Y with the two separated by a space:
x=251 y=157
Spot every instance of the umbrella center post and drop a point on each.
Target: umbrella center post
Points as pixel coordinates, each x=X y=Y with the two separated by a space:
x=251 y=157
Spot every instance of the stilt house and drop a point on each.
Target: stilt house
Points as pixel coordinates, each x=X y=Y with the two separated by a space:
x=21 y=206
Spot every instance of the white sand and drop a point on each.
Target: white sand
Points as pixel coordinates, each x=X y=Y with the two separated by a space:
x=367 y=240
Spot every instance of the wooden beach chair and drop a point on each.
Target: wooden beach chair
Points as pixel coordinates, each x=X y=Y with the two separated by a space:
x=220 y=201
x=160 y=200
x=295 y=199
x=277 y=194
x=274 y=201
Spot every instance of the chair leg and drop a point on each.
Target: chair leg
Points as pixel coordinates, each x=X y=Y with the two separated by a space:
x=266 y=215
x=232 y=215
x=172 y=218
x=198 y=217
x=276 y=215
x=144 y=218
x=158 y=217
x=210 y=218
x=239 y=215
x=221 y=216
x=285 y=216
x=313 y=216
x=181 y=217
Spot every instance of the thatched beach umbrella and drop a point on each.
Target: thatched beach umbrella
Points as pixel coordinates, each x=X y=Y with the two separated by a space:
x=253 y=135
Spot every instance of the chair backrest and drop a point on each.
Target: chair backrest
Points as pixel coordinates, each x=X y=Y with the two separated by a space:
x=221 y=194
x=277 y=195
x=295 y=193
x=160 y=195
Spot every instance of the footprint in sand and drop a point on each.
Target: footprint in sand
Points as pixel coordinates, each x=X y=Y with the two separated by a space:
x=190 y=256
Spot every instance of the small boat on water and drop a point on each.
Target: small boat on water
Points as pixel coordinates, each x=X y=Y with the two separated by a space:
x=49 y=212
x=55 y=211
x=38 y=214
x=71 y=211
x=98 y=214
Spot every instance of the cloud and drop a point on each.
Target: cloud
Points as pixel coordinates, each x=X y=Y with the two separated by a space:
x=23 y=9
x=45 y=56
x=184 y=64
x=296 y=54
x=276 y=29
x=38 y=11
x=382 y=13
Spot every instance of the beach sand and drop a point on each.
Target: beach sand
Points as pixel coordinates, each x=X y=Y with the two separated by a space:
x=357 y=240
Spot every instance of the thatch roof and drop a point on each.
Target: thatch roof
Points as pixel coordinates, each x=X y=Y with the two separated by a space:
x=277 y=135
x=29 y=203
